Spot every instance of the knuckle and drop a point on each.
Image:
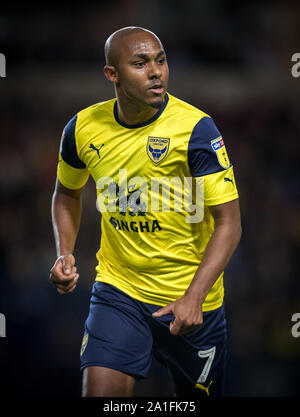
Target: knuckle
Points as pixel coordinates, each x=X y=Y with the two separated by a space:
x=71 y=258
x=53 y=278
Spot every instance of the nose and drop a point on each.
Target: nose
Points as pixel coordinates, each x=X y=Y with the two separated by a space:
x=154 y=70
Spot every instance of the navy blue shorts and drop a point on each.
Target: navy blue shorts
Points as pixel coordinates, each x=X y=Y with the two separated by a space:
x=120 y=333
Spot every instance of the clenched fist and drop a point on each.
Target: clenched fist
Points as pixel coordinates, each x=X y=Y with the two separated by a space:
x=64 y=274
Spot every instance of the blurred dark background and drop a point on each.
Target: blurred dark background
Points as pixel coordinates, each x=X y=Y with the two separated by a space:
x=230 y=59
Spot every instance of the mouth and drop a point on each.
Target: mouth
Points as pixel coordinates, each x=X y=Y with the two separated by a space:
x=157 y=88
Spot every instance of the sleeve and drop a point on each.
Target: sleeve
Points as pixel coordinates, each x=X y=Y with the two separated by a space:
x=71 y=171
x=220 y=187
x=206 y=149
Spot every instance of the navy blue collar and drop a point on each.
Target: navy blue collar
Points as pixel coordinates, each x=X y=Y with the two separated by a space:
x=147 y=122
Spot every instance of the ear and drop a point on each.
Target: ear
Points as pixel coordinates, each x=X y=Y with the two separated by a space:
x=111 y=73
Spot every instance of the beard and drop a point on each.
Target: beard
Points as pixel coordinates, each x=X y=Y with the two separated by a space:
x=158 y=104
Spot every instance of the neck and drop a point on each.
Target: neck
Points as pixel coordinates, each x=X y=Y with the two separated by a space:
x=133 y=113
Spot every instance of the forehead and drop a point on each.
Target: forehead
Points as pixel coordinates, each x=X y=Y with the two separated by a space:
x=139 y=43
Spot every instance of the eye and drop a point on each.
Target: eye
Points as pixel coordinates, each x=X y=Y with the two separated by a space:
x=162 y=60
x=139 y=64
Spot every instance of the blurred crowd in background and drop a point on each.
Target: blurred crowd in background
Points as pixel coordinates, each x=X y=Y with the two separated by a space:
x=230 y=59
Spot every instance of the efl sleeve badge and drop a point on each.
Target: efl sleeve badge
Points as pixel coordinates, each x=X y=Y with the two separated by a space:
x=220 y=149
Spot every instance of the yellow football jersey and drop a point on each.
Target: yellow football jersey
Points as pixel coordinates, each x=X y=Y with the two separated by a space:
x=155 y=182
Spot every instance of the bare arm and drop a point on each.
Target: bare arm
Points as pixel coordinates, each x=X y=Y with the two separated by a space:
x=222 y=244
x=219 y=249
x=66 y=216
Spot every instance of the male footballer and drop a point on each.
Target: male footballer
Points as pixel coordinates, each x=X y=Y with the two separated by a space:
x=170 y=222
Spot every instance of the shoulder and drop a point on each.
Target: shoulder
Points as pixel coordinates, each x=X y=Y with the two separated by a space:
x=206 y=149
x=79 y=128
x=203 y=128
x=89 y=114
x=185 y=110
x=100 y=110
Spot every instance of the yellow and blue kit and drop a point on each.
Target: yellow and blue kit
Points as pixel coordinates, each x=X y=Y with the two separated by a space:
x=150 y=255
x=155 y=182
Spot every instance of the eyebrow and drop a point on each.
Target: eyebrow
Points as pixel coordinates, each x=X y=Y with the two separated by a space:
x=145 y=56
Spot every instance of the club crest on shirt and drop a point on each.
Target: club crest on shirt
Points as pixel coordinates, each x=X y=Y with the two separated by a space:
x=218 y=146
x=157 y=148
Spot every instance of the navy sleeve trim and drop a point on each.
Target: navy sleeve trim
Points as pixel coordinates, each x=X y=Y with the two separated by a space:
x=202 y=158
x=68 y=148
